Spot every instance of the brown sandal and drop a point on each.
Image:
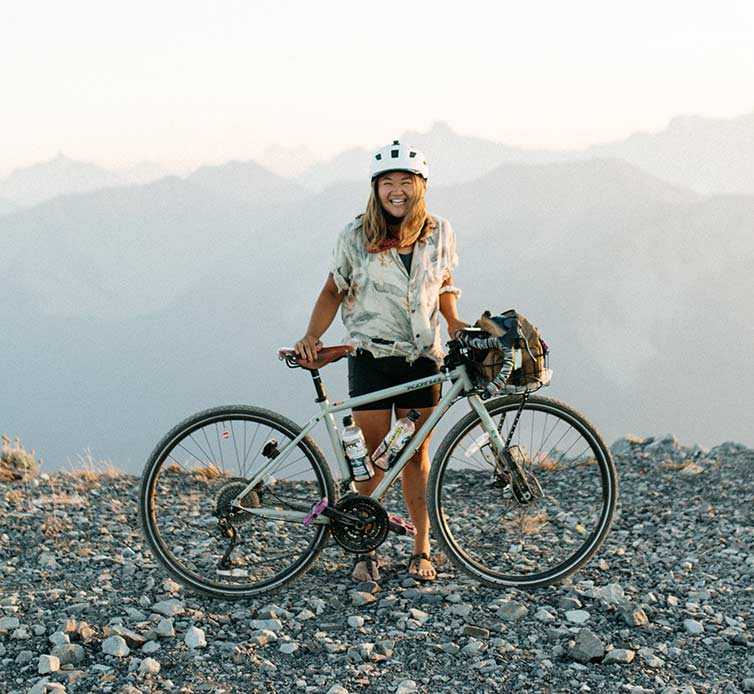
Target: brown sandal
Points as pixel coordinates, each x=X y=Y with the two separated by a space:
x=373 y=564
x=414 y=561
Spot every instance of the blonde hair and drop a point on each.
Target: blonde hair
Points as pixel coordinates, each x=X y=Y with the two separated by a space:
x=416 y=225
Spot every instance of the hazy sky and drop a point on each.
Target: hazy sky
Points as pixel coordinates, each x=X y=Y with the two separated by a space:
x=195 y=81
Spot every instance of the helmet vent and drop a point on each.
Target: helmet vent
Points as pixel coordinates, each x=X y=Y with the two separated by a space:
x=378 y=156
x=411 y=155
x=394 y=153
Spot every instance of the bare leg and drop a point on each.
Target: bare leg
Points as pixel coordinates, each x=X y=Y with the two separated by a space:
x=414 y=478
x=374 y=425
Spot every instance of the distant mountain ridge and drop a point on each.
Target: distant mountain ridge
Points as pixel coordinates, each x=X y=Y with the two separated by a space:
x=61 y=175
x=126 y=251
x=705 y=155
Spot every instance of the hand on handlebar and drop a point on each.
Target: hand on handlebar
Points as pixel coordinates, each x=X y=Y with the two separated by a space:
x=307 y=347
x=454 y=325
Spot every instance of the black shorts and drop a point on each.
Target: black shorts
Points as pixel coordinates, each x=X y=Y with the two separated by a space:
x=367 y=374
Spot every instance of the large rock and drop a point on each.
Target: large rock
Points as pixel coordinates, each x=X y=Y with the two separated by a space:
x=195 y=638
x=587 y=647
x=169 y=608
x=619 y=656
x=115 y=645
x=69 y=653
x=48 y=664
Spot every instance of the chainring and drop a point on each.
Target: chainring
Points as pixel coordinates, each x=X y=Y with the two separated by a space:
x=225 y=509
x=372 y=529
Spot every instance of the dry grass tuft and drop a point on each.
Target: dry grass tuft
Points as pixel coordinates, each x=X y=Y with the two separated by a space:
x=531 y=525
x=547 y=464
x=54 y=524
x=16 y=463
x=207 y=473
x=87 y=468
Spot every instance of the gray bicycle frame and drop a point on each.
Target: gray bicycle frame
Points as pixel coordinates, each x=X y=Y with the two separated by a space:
x=460 y=383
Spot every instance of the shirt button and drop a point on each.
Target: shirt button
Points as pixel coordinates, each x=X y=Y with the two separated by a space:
x=417 y=335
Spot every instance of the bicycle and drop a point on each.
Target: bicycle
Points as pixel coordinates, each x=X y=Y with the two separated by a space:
x=238 y=500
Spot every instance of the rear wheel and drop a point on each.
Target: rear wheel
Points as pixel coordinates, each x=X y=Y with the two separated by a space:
x=508 y=532
x=189 y=483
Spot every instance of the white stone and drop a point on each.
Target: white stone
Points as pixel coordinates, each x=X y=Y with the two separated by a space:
x=149 y=665
x=406 y=687
x=611 y=594
x=150 y=647
x=693 y=627
x=48 y=664
x=577 y=616
x=165 y=628
x=620 y=656
x=195 y=638
x=59 y=638
x=169 y=608
x=355 y=621
x=8 y=623
x=289 y=647
x=69 y=653
x=115 y=645
x=542 y=615
x=170 y=586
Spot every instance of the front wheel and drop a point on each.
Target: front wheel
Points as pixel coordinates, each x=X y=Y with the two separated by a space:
x=528 y=530
x=188 y=486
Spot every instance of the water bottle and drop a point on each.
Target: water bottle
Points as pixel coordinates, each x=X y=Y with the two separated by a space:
x=356 y=451
x=392 y=445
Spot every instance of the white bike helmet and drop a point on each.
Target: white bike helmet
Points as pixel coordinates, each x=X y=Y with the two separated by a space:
x=398 y=157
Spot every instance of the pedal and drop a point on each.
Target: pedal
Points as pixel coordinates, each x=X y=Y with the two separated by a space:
x=315 y=511
x=400 y=526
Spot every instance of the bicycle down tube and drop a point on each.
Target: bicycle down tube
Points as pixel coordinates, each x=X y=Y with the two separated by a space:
x=459 y=383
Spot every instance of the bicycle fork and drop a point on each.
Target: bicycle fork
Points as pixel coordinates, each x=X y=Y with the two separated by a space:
x=509 y=460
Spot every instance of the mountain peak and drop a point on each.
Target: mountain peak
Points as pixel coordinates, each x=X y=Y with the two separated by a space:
x=441 y=127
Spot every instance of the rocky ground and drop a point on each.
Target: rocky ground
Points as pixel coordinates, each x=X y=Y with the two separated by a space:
x=667 y=605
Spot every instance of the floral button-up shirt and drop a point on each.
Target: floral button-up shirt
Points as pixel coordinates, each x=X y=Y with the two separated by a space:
x=389 y=304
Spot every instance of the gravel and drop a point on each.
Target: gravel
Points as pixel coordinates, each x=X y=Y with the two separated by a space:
x=666 y=607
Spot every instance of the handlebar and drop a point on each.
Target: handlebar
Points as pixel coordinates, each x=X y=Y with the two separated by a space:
x=467 y=339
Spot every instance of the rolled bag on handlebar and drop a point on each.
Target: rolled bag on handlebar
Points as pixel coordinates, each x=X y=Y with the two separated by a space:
x=502 y=335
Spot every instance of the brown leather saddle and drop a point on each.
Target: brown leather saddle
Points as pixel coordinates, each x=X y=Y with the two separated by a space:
x=325 y=356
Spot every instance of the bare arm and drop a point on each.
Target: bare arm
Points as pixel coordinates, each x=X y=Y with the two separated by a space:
x=323 y=313
x=449 y=310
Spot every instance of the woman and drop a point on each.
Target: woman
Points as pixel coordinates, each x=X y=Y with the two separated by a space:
x=391 y=275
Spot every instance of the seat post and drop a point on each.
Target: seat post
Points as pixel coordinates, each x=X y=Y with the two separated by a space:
x=318 y=386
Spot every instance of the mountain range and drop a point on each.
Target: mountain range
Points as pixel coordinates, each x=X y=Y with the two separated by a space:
x=127 y=308
x=710 y=156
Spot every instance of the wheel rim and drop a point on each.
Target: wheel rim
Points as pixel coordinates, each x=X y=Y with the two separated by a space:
x=199 y=467
x=505 y=542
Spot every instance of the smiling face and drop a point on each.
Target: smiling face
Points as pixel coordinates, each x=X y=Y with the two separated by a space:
x=396 y=191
